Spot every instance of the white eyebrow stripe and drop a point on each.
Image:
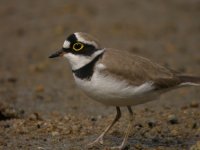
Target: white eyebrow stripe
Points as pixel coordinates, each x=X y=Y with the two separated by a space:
x=66 y=44
x=79 y=38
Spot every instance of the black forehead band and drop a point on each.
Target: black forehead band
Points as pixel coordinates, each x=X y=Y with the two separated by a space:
x=72 y=38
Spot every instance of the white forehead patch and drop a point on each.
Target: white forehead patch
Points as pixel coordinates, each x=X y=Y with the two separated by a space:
x=81 y=39
x=66 y=44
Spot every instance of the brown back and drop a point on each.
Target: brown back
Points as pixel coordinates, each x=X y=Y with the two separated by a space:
x=137 y=70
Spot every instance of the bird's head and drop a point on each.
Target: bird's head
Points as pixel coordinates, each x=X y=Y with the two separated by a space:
x=79 y=48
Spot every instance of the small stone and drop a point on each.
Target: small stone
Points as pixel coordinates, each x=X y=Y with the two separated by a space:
x=35 y=116
x=138 y=147
x=21 y=112
x=44 y=140
x=173 y=119
x=39 y=125
x=151 y=123
x=12 y=79
x=99 y=117
x=93 y=118
x=7 y=112
x=138 y=126
x=194 y=104
x=6 y=126
x=40 y=148
x=155 y=140
x=76 y=128
x=174 y=132
x=68 y=132
x=184 y=107
x=54 y=133
x=194 y=126
x=39 y=88
x=66 y=118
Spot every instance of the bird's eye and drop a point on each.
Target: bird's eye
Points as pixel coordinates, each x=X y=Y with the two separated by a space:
x=78 y=46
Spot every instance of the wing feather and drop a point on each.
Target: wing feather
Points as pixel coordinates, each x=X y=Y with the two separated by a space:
x=137 y=70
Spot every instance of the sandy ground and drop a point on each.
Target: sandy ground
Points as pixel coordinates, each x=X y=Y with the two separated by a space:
x=40 y=105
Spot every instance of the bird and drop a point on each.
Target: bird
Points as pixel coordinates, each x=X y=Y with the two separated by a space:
x=118 y=78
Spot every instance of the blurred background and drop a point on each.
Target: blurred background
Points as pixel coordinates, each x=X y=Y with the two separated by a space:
x=167 y=32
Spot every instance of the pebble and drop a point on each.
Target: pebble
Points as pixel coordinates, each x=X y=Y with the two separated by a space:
x=174 y=132
x=194 y=126
x=76 y=128
x=151 y=123
x=173 y=119
x=38 y=126
x=184 y=107
x=194 y=104
x=39 y=88
x=7 y=112
x=138 y=126
x=66 y=118
x=99 y=117
x=138 y=147
x=41 y=148
x=54 y=133
x=6 y=126
x=93 y=118
x=35 y=116
x=12 y=79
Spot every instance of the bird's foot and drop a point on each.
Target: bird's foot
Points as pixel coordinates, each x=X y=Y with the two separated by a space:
x=98 y=141
x=121 y=147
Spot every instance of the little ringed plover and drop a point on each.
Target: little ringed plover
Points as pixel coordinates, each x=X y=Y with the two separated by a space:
x=118 y=78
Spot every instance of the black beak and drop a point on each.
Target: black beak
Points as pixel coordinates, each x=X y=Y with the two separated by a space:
x=57 y=54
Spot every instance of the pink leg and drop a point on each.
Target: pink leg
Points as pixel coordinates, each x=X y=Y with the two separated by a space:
x=100 y=138
x=123 y=144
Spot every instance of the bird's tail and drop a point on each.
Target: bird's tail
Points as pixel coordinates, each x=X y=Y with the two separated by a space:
x=189 y=80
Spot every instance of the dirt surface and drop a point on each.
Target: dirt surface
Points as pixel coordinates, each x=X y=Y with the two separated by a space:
x=41 y=107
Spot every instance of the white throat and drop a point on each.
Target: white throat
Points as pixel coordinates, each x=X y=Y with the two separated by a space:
x=78 y=61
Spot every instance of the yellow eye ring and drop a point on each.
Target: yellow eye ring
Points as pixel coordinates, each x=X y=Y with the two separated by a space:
x=77 y=46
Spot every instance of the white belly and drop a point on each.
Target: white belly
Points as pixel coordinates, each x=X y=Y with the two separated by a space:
x=110 y=91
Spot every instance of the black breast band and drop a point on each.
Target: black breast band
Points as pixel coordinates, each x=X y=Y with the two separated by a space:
x=87 y=71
